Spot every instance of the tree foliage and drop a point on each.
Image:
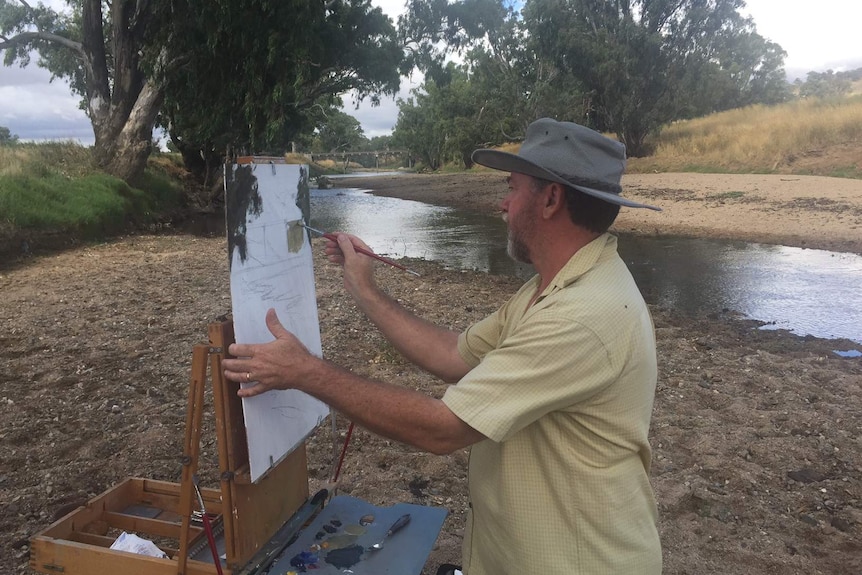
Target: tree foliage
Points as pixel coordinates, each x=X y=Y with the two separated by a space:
x=259 y=74
x=826 y=85
x=340 y=132
x=648 y=62
x=224 y=74
x=624 y=67
x=7 y=138
x=499 y=89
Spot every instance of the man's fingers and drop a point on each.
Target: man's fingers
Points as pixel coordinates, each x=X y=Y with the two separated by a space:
x=274 y=325
x=346 y=245
x=251 y=390
x=238 y=376
x=241 y=350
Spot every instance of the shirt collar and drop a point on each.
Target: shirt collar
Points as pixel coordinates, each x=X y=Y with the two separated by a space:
x=581 y=262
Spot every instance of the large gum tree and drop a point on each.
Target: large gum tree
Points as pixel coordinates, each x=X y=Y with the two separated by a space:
x=99 y=47
x=232 y=71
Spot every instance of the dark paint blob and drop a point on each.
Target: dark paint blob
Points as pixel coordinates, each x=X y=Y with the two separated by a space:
x=345 y=558
x=329 y=529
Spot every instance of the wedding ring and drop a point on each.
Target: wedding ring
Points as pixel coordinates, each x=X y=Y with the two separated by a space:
x=247 y=376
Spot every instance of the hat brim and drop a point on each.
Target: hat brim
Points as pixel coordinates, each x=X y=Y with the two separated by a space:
x=507 y=162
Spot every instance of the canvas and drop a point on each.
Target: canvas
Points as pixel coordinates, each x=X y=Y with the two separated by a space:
x=271 y=267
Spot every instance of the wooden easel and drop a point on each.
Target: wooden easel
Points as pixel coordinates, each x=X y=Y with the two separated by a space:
x=250 y=513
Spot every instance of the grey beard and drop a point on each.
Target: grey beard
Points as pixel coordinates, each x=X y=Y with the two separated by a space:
x=518 y=251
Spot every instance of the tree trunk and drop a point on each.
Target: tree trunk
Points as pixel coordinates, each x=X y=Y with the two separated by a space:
x=123 y=106
x=123 y=144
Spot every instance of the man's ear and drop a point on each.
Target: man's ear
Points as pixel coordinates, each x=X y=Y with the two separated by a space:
x=555 y=199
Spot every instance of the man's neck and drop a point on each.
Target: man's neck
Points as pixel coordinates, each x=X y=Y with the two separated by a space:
x=556 y=252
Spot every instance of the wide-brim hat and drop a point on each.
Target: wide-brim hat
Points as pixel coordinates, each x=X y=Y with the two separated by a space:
x=569 y=154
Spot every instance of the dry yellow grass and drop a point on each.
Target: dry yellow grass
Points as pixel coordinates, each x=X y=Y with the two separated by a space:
x=760 y=139
x=13 y=161
x=292 y=158
x=66 y=158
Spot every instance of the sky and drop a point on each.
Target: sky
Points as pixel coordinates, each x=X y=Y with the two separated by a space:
x=815 y=39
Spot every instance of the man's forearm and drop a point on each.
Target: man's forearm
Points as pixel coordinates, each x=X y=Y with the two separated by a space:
x=398 y=413
x=431 y=347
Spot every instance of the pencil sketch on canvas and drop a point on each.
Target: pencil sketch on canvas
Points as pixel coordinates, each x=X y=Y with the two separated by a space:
x=271 y=267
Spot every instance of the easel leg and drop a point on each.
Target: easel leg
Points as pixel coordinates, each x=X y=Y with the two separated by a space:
x=191 y=449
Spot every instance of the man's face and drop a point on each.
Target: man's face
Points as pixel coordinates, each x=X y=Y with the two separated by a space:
x=520 y=211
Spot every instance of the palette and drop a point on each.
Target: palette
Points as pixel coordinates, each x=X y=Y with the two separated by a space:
x=338 y=540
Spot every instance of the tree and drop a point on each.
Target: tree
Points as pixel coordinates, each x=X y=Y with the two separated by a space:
x=648 y=62
x=230 y=74
x=261 y=75
x=416 y=130
x=625 y=67
x=7 y=138
x=498 y=91
x=825 y=85
x=340 y=132
x=102 y=56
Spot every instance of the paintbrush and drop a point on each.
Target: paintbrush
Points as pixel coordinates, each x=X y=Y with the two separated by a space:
x=368 y=253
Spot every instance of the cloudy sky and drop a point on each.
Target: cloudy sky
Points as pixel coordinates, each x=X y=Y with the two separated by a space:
x=821 y=38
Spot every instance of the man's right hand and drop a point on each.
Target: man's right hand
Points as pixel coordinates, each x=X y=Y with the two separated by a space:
x=358 y=268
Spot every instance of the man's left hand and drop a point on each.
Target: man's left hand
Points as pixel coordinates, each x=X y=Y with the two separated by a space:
x=274 y=365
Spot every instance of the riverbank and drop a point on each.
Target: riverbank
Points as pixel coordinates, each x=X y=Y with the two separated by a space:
x=757 y=465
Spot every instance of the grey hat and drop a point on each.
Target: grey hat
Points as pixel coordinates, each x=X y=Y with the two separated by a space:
x=569 y=154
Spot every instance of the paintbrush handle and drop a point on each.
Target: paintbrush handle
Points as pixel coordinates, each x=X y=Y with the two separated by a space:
x=371 y=254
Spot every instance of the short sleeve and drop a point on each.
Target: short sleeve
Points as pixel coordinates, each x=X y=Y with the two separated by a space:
x=549 y=363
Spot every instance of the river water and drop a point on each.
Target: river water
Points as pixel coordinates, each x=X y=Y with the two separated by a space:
x=808 y=292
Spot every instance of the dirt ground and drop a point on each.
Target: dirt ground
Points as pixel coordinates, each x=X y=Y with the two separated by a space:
x=757 y=465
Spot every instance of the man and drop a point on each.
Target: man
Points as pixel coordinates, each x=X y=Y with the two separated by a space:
x=554 y=390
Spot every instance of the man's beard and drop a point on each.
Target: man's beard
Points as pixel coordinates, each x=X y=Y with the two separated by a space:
x=516 y=247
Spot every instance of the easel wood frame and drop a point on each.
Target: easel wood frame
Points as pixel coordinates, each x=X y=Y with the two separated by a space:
x=251 y=513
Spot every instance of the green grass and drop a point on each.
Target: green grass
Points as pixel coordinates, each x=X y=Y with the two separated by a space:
x=51 y=188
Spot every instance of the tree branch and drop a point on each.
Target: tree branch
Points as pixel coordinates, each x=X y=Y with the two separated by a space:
x=25 y=37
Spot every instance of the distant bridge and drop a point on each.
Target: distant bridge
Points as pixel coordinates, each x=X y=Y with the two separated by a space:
x=363 y=157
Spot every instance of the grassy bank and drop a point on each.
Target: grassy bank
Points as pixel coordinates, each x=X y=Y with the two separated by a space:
x=805 y=137
x=50 y=195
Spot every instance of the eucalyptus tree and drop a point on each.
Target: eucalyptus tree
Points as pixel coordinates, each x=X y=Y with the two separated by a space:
x=624 y=66
x=499 y=88
x=340 y=132
x=825 y=85
x=7 y=138
x=648 y=62
x=100 y=48
x=261 y=75
x=224 y=73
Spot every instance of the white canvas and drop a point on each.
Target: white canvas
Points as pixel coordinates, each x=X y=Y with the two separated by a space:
x=271 y=267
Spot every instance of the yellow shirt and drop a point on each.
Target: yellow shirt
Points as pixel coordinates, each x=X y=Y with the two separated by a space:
x=564 y=391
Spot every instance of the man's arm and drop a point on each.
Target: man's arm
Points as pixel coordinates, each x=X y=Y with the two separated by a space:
x=392 y=411
x=433 y=348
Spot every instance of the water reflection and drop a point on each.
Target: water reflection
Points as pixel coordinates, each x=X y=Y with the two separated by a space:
x=404 y=228
x=806 y=291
